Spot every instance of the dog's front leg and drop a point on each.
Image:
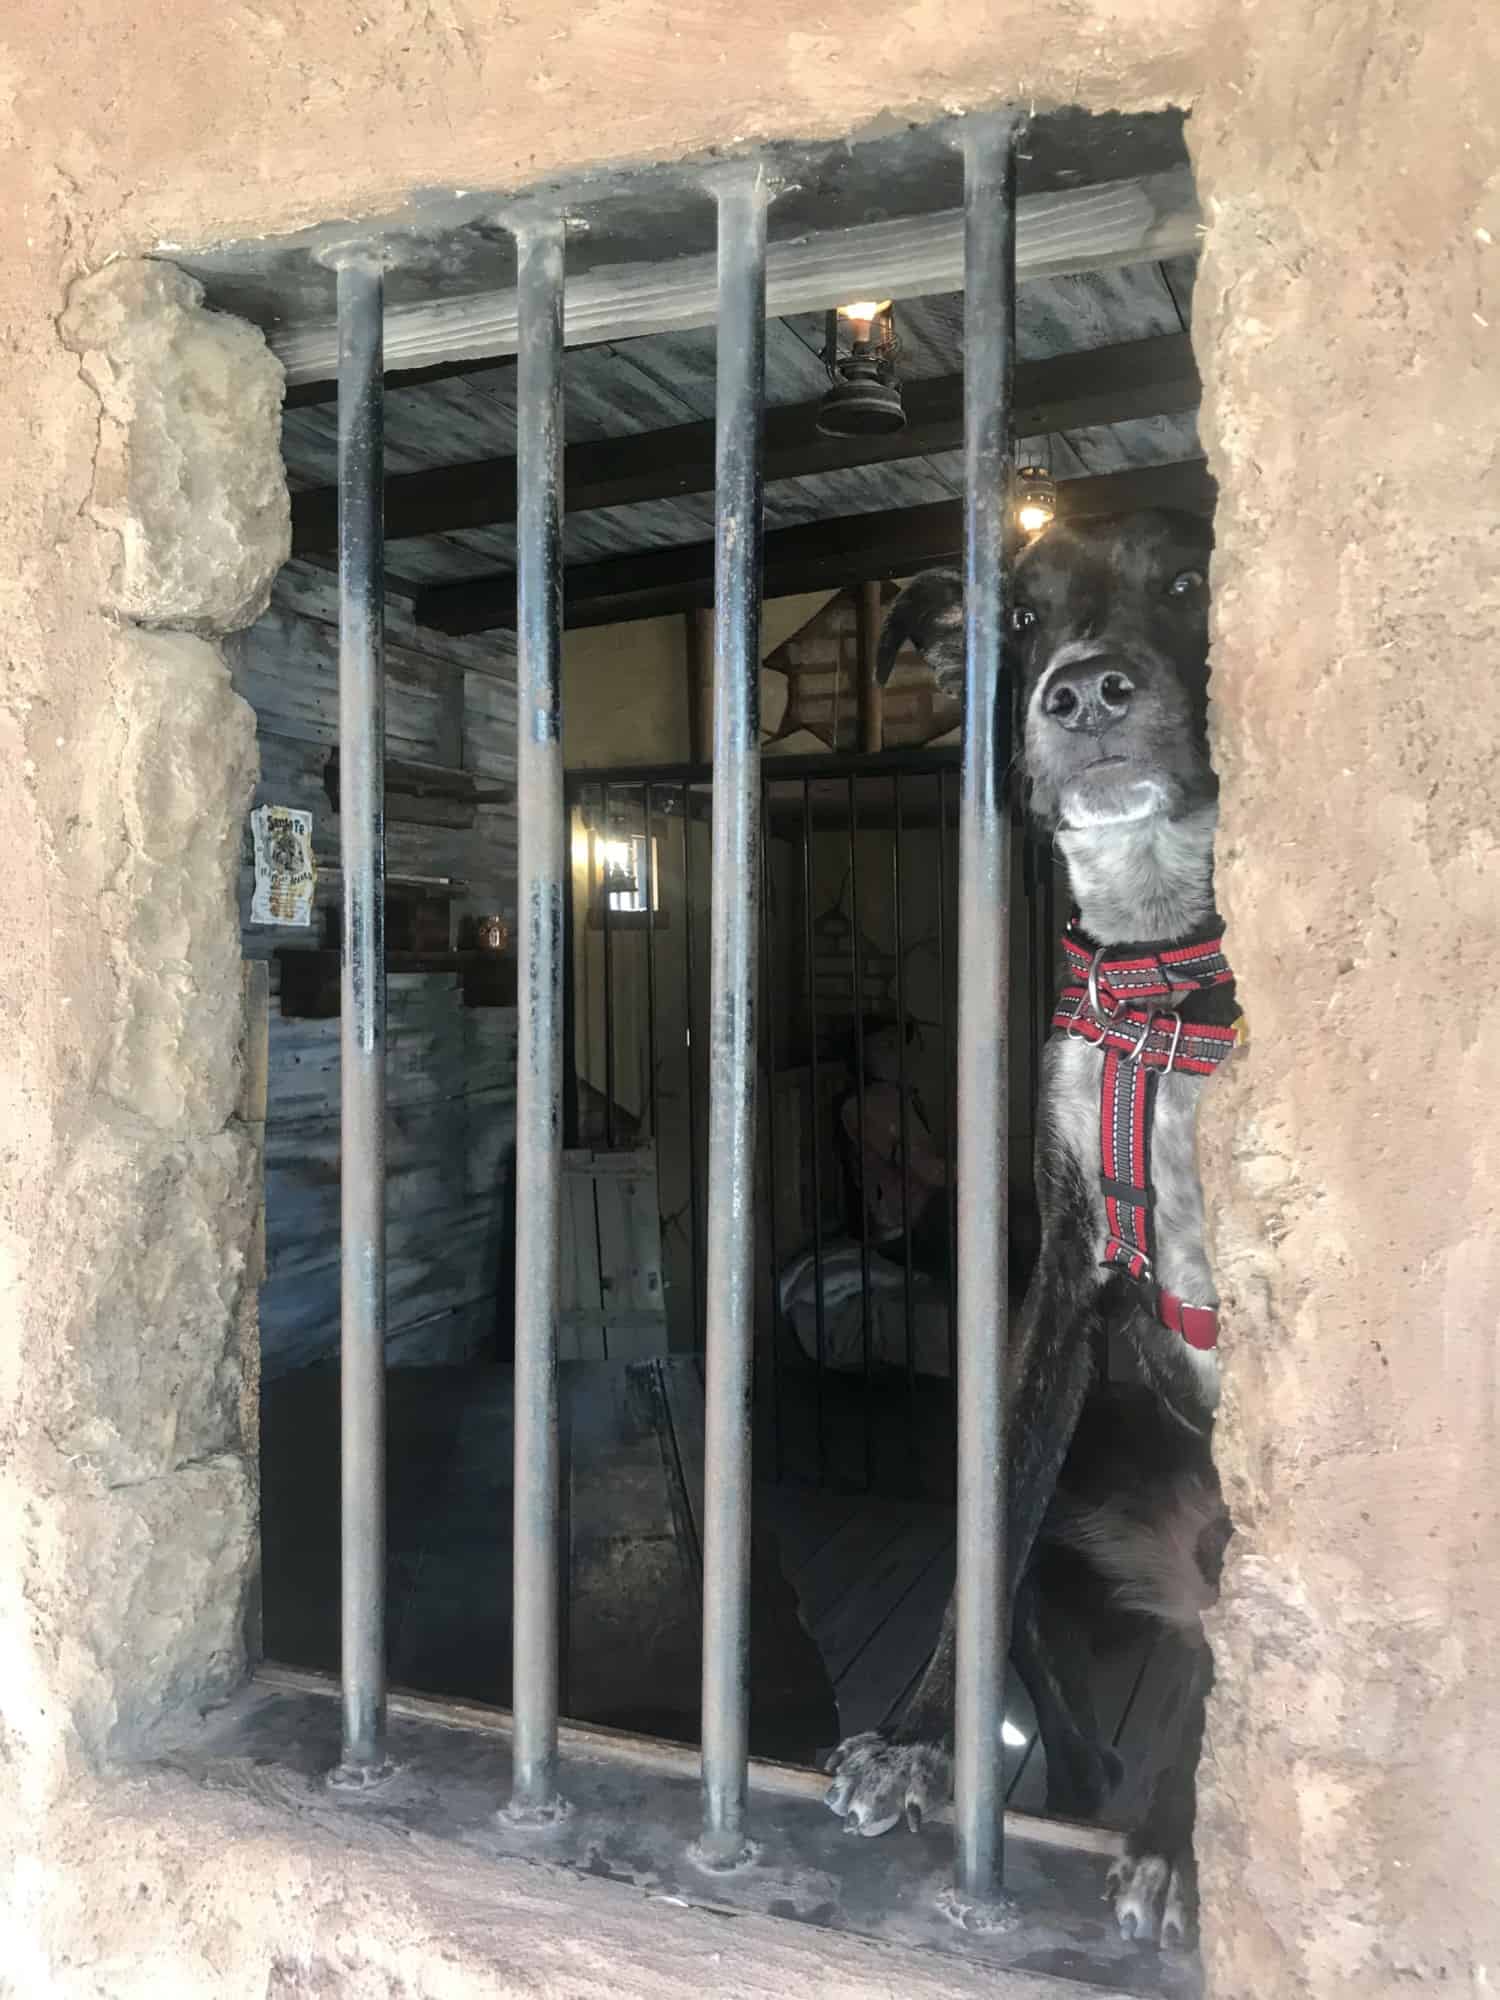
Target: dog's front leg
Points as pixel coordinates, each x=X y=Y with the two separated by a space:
x=904 y=1769
x=1154 y=1885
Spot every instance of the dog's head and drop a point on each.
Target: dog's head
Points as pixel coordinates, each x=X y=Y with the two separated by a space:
x=1108 y=651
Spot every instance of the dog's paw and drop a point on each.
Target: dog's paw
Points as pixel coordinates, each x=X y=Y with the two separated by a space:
x=876 y=1783
x=1153 y=1899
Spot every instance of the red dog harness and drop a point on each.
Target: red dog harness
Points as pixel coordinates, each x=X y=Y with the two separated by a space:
x=1102 y=1005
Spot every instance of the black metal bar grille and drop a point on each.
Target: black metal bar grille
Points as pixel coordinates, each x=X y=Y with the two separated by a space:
x=730 y=1309
x=723 y=1307
x=983 y=987
x=542 y=862
x=362 y=1304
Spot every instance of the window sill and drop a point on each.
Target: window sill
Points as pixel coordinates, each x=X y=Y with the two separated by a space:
x=626 y=1841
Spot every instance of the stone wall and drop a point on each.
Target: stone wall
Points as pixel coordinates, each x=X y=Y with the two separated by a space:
x=1347 y=327
x=1348 y=316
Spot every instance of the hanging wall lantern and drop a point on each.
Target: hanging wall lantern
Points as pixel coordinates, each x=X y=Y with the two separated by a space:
x=1036 y=499
x=864 y=397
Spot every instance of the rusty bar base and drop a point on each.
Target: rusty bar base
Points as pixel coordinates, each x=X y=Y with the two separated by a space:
x=635 y=1818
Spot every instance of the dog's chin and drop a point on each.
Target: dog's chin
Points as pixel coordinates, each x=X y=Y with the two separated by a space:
x=1112 y=794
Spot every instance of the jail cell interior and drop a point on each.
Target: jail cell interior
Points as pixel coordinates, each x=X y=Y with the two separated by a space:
x=425 y=1486
x=855 y=1219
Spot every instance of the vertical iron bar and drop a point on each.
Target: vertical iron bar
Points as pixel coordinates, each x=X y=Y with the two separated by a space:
x=689 y=971
x=815 y=1150
x=768 y=961
x=871 y=693
x=648 y=818
x=898 y=837
x=362 y=1304
x=950 y=1095
x=740 y=401
x=542 y=861
x=858 y=1002
x=983 y=993
x=609 y=983
x=572 y=809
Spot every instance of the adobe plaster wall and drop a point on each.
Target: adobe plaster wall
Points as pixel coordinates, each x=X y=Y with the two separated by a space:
x=1348 y=315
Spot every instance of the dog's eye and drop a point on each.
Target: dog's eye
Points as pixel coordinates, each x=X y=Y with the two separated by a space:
x=1185 y=583
x=1022 y=618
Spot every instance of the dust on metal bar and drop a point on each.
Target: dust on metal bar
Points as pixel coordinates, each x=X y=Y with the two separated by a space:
x=362 y=1302
x=983 y=991
x=542 y=886
x=740 y=399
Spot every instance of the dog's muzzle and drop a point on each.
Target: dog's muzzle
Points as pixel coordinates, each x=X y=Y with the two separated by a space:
x=1090 y=697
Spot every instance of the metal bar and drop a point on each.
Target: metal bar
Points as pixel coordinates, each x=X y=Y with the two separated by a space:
x=950 y=1095
x=648 y=820
x=609 y=986
x=857 y=1001
x=768 y=966
x=815 y=1112
x=570 y=1107
x=741 y=384
x=871 y=693
x=690 y=982
x=362 y=1303
x=983 y=990
x=903 y=1112
x=542 y=880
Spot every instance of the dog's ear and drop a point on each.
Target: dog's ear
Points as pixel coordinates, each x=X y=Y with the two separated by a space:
x=929 y=613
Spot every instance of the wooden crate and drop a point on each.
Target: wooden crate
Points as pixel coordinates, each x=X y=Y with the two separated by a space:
x=613 y=1305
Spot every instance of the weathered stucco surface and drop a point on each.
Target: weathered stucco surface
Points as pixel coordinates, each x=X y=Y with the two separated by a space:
x=1349 y=317
x=1348 y=321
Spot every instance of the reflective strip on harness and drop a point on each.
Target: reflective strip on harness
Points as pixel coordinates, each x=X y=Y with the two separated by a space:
x=1140 y=1045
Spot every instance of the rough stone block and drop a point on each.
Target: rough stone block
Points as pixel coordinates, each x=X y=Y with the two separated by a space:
x=184 y=782
x=149 y=1343
x=188 y=475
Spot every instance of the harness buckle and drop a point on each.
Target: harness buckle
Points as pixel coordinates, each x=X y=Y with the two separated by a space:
x=1134 y=1055
x=1096 y=1006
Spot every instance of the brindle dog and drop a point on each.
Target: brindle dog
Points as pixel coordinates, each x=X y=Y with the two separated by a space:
x=1108 y=656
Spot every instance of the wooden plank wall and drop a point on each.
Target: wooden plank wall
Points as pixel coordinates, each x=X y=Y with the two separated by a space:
x=451 y=1069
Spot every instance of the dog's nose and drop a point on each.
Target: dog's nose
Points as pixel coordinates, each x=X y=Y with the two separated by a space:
x=1090 y=697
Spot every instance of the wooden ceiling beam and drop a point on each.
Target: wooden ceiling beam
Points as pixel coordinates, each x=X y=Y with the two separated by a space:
x=1065 y=392
x=823 y=555
x=1097 y=227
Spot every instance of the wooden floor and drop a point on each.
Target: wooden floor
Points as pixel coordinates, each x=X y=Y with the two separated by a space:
x=872 y=1577
x=848 y=1588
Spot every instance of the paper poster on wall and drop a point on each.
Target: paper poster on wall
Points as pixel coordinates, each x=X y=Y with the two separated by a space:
x=285 y=872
